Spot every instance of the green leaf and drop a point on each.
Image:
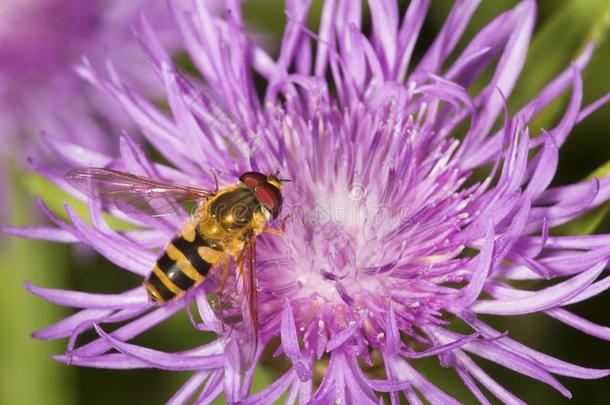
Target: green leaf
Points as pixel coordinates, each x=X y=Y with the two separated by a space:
x=27 y=375
x=587 y=223
x=601 y=171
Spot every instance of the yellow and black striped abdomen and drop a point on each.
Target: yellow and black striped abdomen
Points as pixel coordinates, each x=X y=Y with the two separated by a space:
x=185 y=263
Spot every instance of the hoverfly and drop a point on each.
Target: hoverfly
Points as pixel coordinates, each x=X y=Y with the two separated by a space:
x=223 y=227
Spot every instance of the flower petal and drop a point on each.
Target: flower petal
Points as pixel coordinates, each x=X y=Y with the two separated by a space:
x=77 y=299
x=483 y=262
x=40 y=232
x=166 y=361
x=113 y=361
x=450 y=34
x=500 y=392
x=290 y=344
x=188 y=389
x=577 y=322
x=130 y=330
x=492 y=351
x=551 y=364
x=341 y=337
x=274 y=391
x=540 y=300
x=65 y=327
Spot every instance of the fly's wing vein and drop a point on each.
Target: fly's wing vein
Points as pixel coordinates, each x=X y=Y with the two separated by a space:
x=132 y=194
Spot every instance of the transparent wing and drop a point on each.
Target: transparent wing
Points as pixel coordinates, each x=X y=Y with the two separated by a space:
x=249 y=287
x=249 y=305
x=133 y=194
x=236 y=306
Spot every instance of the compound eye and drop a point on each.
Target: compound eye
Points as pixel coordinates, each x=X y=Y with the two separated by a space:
x=271 y=197
x=253 y=179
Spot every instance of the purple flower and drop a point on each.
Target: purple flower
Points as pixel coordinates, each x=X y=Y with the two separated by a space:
x=41 y=41
x=392 y=244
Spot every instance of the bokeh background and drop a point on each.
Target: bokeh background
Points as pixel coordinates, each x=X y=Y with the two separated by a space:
x=28 y=376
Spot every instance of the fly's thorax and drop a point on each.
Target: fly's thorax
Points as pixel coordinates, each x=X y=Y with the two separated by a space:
x=235 y=209
x=210 y=228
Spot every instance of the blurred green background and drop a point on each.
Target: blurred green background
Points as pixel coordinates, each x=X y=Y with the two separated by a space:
x=28 y=376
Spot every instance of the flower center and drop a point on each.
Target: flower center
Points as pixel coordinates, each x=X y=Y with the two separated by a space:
x=342 y=255
x=372 y=222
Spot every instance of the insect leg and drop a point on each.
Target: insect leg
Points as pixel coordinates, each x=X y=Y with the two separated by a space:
x=253 y=303
x=273 y=231
x=223 y=281
x=224 y=277
x=278 y=232
x=215 y=174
